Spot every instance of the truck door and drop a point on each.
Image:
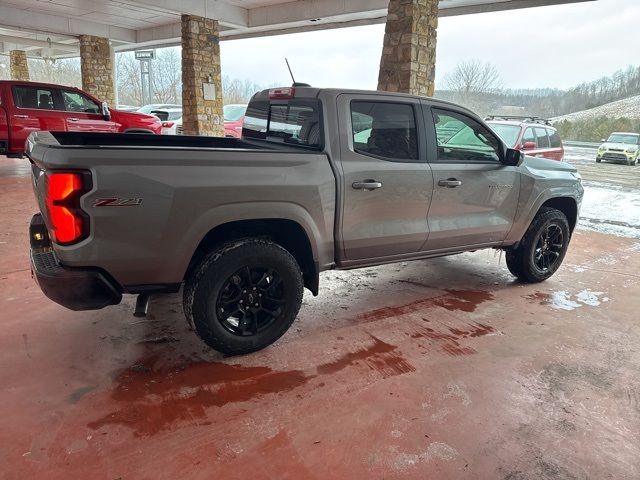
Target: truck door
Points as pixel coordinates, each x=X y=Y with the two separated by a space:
x=475 y=196
x=82 y=114
x=386 y=182
x=34 y=110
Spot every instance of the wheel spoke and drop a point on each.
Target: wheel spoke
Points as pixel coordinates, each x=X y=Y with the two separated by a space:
x=226 y=314
x=266 y=277
x=247 y=272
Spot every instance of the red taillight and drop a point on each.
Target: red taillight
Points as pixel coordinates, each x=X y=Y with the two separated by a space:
x=167 y=124
x=285 y=93
x=67 y=221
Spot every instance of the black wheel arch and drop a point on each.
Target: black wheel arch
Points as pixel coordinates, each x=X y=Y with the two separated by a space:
x=566 y=205
x=287 y=233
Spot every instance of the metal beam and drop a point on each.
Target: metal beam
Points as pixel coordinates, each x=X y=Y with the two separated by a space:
x=39 y=43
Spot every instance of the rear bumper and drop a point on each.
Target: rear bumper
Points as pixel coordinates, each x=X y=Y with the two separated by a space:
x=73 y=288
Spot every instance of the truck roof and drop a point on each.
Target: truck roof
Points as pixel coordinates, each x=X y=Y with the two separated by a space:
x=314 y=92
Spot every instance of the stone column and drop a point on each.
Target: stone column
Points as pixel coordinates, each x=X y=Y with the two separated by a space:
x=96 y=67
x=201 y=81
x=408 y=61
x=18 y=64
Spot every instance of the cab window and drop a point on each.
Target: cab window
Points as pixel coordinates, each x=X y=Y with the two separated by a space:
x=543 y=137
x=528 y=136
x=384 y=129
x=554 y=139
x=76 y=102
x=33 y=97
x=461 y=139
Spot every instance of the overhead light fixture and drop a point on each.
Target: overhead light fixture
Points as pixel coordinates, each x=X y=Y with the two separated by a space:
x=47 y=53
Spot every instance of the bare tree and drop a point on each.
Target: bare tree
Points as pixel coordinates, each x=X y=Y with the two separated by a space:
x=238 y=91
x=65 y=71
x=129 y=83
x=5 y=73
x=471 y=80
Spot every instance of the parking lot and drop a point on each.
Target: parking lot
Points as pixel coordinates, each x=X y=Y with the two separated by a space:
x=445 y=368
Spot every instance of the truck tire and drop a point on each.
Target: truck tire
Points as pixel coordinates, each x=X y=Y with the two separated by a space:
x=243 y=295
x=542 y=248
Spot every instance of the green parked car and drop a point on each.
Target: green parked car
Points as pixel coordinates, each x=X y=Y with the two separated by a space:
x=620 y=147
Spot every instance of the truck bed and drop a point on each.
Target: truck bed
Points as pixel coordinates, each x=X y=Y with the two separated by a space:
x=125 y=140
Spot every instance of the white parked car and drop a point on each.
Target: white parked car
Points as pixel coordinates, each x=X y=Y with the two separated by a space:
x=169 y=118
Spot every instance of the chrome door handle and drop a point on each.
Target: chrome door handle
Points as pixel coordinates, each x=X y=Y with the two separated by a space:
x=450 y=183
x=21 y=116
x=367 y=185
x=73 y=119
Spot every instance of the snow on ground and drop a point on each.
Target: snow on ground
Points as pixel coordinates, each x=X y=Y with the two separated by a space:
x=611 y=209
x=627 y=108
x=612 y=194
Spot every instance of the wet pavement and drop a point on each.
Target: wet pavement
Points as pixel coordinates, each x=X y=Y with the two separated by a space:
x=442 y=369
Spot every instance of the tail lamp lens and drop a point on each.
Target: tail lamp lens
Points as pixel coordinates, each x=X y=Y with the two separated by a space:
x=67 y=221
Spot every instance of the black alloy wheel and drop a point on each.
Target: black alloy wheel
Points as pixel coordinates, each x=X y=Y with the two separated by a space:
x=549 y=247
x=251 y=300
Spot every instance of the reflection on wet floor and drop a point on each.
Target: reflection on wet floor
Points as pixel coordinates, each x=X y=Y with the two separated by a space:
x=14 y=167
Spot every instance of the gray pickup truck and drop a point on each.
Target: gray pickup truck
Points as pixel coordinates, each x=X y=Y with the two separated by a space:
x=321 y=179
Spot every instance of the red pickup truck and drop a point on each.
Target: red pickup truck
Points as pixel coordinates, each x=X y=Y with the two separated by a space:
x=26 y=107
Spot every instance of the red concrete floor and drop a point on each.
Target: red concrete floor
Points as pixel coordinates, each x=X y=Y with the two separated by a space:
x=445 y=369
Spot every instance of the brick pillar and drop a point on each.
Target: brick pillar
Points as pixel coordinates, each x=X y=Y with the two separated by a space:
x=96 y=67
x=200 y=74
x=19 y=65
x=408 y=61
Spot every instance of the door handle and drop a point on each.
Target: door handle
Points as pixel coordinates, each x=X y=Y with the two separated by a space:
x=367 y=185
x=73 y=119
x=450 y=183
x=21 y=116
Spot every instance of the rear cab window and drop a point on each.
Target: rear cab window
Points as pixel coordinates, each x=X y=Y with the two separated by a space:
x=385 y=130
x=294 y=122
x=40 y=98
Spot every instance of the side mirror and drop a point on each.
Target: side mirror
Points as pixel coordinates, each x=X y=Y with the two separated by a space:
x=513 y=157
x=106 y=114
x=529 y=146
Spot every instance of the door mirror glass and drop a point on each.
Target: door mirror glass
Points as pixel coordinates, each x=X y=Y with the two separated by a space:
x=106 y=114
x=513 y=157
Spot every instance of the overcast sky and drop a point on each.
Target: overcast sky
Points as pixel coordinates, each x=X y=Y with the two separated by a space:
x=559 y=46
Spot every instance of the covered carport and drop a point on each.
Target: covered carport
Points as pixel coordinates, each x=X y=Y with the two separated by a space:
x=94 y=30
x=443 y=369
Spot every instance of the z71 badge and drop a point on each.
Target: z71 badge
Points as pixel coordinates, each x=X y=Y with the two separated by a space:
x=117 y=202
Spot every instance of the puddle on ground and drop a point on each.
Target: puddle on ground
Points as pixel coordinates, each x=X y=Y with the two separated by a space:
x=450 y=342
x=455 y=300
x=563 y=300
x=156 y=398
x=380 y=357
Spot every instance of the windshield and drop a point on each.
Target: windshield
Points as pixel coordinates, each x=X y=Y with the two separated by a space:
x=233 y=113
x=508 y=133
x=624 y=138
x=295 y=122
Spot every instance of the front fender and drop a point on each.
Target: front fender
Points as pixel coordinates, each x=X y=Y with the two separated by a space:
x=534 y=194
